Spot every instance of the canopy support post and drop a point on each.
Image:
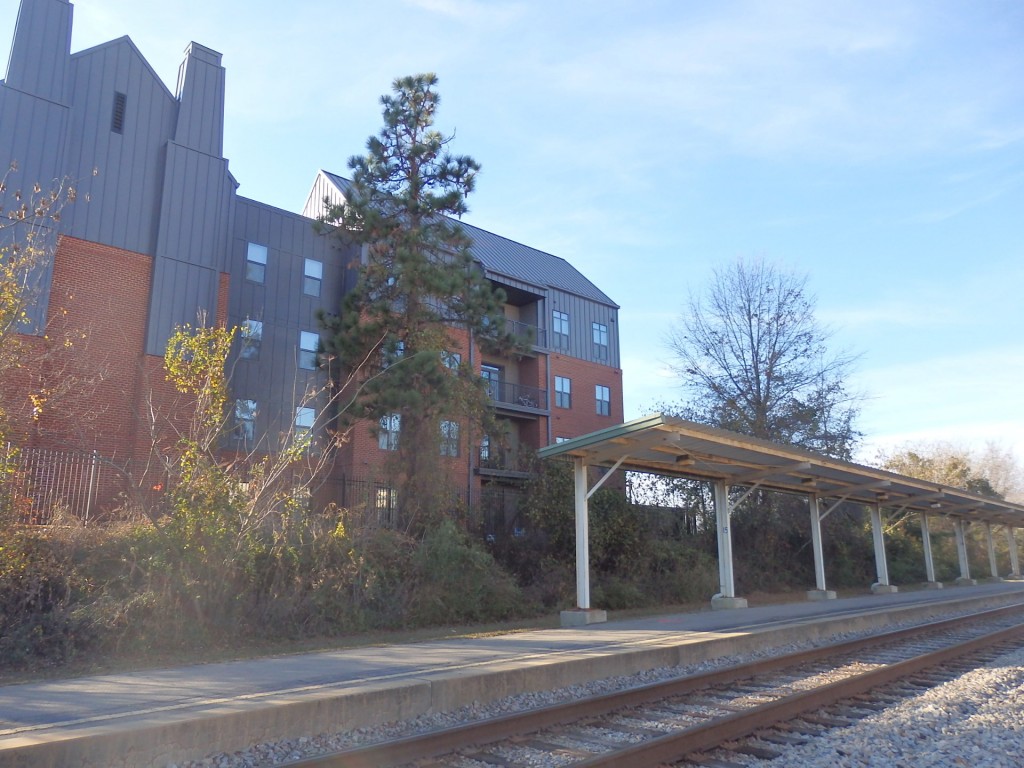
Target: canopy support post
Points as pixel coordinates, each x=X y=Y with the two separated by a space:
x=726 y=598
x=1011 y=541
x=961 y=554
x=993 y=563
x=929 y=561
x=583 y=614
x=820 y=592
x=882 y=586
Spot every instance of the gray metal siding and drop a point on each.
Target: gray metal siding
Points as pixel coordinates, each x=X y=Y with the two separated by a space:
x=201 y=92
x=507 y=257
x=38 y=61
x=275 y=381
x=180 y=291
x=511 y=282
x=32 y=134
x=323 y=187
x=582 y=314
x=195 y=209
x=498 y=255
x=192 y=244
x=125 y=193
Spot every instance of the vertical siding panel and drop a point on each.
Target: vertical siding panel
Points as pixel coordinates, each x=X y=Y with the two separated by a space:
x=280 y=304
x=74 y=222
x=107 y=144
x=136 y=158
x=86 y=117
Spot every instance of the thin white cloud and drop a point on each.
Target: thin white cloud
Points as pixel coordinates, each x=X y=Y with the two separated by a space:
x=946 y=395
x=470 y=11
x=787 y=77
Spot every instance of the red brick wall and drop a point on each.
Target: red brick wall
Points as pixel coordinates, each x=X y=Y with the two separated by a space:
x=106 y=390
x=582 y=417
x=534 y=372
x=93 y=346
x=361 y=456
x=222 y=299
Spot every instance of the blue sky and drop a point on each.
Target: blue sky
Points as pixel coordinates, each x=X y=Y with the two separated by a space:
x=876 y=146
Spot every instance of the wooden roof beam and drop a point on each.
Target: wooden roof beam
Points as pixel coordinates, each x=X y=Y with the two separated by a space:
x=783 y=469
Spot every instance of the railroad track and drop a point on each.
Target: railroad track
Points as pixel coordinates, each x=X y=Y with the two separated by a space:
x=681 y=720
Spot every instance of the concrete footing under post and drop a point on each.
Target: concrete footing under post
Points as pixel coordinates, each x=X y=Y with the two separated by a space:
x=720 y=603
x=821 y=594
x=580 y=617
x=965 y=582
x=884 y=589
x=933 y=585
x=1013 y=577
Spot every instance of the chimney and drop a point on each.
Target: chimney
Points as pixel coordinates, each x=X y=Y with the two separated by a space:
x=41 y=49
x=201 y=101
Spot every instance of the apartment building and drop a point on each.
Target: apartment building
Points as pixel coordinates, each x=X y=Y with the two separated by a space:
x=165 y=239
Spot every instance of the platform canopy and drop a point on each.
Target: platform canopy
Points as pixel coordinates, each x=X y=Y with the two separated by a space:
x=674 y=447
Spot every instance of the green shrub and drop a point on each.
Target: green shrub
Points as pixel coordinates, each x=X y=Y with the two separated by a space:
x=614 y=594
x=677 y=572
x=457 y=581
x=39 y=620
x=382 y=588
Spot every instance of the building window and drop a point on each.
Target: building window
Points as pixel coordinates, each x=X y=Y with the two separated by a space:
x=117 y=118
x=451 y=360
x=304 y=418
x=563 y=392
x=491 y=375
x=391 y=352
x=560 y=329
x=245 y=421
x=387 y=435
x=485 y=448
x=256 y=263
x=252 y=338
x=449 y=438
x=386 y=501
x=314 y=275
x=309 y=343
x=603 y=396
x=600 y=341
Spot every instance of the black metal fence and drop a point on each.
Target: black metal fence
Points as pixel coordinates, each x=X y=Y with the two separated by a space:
x=40 y=483
x=373 y=502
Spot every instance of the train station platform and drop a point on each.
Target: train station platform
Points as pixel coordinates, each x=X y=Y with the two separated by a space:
x=159 y=717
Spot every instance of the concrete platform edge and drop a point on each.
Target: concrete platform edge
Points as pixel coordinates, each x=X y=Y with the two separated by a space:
x=162 y=739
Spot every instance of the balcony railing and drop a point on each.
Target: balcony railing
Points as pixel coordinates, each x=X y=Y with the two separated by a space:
x=537 y=336
x=517 y=395
x=507 y=461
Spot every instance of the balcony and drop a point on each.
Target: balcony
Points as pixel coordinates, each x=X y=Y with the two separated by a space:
x=518 y=397
x=508 y=463
x=538 y=337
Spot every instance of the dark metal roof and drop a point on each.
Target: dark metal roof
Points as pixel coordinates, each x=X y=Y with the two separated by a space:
x=502 y=257
x=670 y=446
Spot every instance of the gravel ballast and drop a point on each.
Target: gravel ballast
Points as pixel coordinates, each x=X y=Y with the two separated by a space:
x=976 y=720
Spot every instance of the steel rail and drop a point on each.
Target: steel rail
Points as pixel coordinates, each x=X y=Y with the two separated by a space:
x=705 y=736
x=448 y=740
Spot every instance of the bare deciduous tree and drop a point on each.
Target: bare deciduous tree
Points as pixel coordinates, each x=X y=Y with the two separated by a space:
x=754 y=359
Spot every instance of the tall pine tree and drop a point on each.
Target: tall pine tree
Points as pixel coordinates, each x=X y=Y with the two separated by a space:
x=419 y=300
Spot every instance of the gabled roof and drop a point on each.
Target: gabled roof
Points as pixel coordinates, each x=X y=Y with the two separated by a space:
x=501 y=257
x=124 y=40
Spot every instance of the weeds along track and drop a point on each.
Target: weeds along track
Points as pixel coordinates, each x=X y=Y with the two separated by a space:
x=680 y=720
